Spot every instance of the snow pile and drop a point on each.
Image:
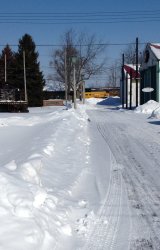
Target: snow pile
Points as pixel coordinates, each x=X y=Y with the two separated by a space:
x=156 y=113
x=93 y=101
x=148 y=107
x=110 y=101
x=50 y=190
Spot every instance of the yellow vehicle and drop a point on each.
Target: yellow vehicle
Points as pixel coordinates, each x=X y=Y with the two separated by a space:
x=96 y=94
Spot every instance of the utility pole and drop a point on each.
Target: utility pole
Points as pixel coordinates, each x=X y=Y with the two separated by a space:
x=25 y=85
x=122 y=94
x=130 y=89
x=83 y=91
x=65 y=72
x=74 y=59
x=5 y=63
x=126 y=90
x=74 y=85
x=137 y=88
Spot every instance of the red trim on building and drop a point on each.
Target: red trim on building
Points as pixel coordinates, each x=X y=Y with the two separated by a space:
x=131 y=71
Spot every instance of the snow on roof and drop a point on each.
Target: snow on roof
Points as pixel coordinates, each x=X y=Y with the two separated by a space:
x=155 y=48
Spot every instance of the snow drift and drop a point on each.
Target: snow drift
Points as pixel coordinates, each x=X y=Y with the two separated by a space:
x=148 y=107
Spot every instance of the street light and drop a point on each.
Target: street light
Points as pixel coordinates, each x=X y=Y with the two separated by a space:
x=74 y=60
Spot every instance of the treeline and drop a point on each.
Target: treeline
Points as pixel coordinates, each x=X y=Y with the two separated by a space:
x=12 y=70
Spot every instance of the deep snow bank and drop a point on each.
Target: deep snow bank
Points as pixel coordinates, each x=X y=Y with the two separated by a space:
x=50 y=186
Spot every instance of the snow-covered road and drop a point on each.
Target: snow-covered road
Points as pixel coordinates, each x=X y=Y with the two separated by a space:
x=79 y=179
x=134 y=141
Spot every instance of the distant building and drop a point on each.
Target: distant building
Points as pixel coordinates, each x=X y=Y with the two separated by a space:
x=128 y=86
x=150 y=73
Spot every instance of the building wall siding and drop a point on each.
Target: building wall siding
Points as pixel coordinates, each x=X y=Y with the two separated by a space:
x=149 y=79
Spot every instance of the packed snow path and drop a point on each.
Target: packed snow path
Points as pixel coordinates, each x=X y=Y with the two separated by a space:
x=134 y=141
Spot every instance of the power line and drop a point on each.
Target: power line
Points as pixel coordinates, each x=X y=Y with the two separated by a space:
x=81 y=13
x=76 y=45
x=77 y=17
x=80 y=17
x=82 y=22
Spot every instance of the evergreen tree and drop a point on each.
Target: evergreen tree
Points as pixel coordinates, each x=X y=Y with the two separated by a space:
x=34 y=77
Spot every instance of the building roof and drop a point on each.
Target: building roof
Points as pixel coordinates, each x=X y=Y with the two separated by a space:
x=131 y=70
x=155 y=48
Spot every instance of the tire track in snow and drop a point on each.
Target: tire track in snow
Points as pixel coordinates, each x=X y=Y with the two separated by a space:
x=141 y=188
x=147 y=205
x=102 y=129
x=105 y=228
x=138 y=188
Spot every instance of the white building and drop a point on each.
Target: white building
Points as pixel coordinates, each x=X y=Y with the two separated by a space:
x=128 y=86
x=150 y=73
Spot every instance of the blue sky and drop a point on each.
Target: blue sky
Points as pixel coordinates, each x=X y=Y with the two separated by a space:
x=122 y=32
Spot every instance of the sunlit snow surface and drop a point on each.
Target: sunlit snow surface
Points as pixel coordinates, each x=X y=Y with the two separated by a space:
x=150 y=107
x=61 y=186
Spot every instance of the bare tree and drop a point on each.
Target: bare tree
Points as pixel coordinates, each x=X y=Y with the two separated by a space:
x=130 y=54
x=114 y=71
x=86 y=49
x=113 y=75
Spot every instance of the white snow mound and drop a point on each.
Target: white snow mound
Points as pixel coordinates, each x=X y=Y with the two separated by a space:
x=148 y=107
